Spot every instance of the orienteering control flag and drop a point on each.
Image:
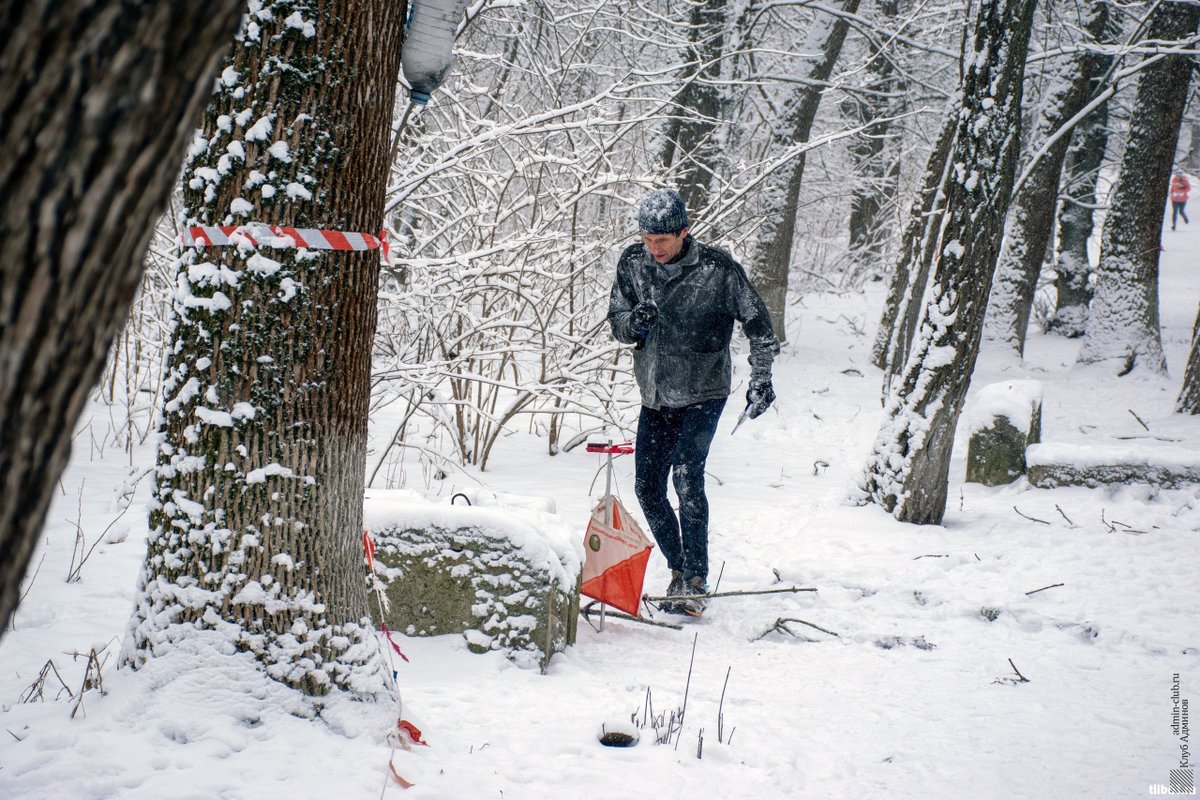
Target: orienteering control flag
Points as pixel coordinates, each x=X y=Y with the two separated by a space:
x=616 y=553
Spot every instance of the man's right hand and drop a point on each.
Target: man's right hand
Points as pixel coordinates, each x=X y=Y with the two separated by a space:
x=645 y=315
x=759 y=396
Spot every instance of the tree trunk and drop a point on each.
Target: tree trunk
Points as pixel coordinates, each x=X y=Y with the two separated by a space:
x=911 y=272
x=1193 y=154
x=96 y=104
x=1031 y=220
x=780 y=197
x=1188 y=401
x=691 y=148
x=1073 y=266
x=256 y=529
x=876 y=166
x=1085 y=157
x=908 y=473
x=1122 y=327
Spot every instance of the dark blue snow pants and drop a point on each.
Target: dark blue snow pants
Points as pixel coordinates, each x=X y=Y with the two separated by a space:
x=676 y=441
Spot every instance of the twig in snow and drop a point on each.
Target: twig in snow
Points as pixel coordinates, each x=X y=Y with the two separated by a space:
x=717 y=585
x=1112 y=526
x=700 y=745
x=781 y=626
x=587 y=611
x=932 y=555
x=92 y=677
x=721 y=708
x=1064 y=515
x=743 y=593
x=1031 y=519
x=1020 y=678
x=1044 y=588
x=1139 y=419
x=686 y=687
x=37 y=690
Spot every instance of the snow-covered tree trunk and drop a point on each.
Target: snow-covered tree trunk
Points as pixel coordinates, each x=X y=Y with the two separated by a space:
x=691 y=147
x=96 y=104
x=255 y=532
x=1193 y=154
x=1188 y=401
x=1073 y=265
x=908 y=471
x=875 y=164
x=1122 y=326
x=1031 y=219
x=911 y=271
x=779 y=198
x=1076 y=224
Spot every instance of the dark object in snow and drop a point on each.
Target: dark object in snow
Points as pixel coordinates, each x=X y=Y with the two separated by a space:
x=1006 y=420
x=619 y=734
x=662 y=211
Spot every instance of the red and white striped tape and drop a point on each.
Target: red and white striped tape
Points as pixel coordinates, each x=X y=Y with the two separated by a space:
x=260 y=234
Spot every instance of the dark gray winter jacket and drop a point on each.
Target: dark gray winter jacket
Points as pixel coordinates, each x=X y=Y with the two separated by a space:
x=685 y=357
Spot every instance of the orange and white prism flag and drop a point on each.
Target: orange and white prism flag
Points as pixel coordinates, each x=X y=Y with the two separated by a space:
x=616 y=553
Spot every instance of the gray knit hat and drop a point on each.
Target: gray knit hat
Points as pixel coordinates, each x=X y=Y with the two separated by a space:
x=662 y=211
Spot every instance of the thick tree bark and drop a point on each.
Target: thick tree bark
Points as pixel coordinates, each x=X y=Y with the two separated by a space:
x=1031 y=219
x=1122 y=327
x=1073 y=265
x=876 y=166
x=780 y=197
x=1085 y=157
x=256 y=530
x=908 y=472
x=691 y=147
x=96 y=104
x=911 y=272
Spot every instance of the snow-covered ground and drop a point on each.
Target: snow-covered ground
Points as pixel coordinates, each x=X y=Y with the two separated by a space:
x=912 y=689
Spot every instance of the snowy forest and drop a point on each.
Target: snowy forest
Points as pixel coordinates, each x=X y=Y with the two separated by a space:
x=267 y=262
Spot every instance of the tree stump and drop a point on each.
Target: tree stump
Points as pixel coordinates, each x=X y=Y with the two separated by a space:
x=506 y=580
x=1005 y=419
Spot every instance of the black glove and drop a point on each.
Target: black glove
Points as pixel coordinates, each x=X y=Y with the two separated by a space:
x=759 y=396
x=645 y=314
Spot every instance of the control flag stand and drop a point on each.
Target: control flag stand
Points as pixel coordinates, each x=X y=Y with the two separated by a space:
x=616 y=551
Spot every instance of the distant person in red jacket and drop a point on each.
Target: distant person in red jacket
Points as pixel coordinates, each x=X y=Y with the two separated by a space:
x=1179 y=196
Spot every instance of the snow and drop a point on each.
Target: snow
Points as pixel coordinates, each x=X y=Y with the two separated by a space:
x=1014 y=400
x=528 y=523
x=261 y=129
x=280 y=151
x=261 y=474
x=295 y=190
x=297 y=21
x=913 y=691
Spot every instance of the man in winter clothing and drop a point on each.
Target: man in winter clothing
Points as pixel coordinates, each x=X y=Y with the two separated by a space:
x=676 y=300
x=1179 y=196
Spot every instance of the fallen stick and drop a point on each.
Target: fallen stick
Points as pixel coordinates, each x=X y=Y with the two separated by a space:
x=745 y=593
x=781 y=626
x=587 y=612
x=1044 y=588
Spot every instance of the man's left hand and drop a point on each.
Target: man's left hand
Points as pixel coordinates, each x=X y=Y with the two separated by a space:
x=759 y=396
